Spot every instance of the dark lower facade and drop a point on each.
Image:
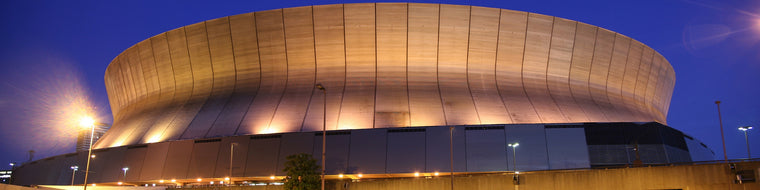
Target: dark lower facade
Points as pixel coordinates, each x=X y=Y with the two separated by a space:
x=376 y=153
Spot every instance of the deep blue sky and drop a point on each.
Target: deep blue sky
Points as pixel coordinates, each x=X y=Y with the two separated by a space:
x=53 y=55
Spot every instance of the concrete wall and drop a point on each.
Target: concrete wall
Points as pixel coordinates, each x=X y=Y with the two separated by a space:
x=480 y=148
x=691 y=177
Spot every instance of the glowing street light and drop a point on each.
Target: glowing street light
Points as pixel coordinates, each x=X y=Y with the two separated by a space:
x=324 y=129
x=73 y=172
x=746 y=138
x=88 y=122
x=125 y=172
x=515 y=178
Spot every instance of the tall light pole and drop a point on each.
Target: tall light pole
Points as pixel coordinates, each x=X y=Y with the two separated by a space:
x=514 y=155
x=722 y=138
x=324 y=129
x=515 y=178
x=232 y=153
x=746 y=138
x=88 y=122
x=125 y=173
x=73 y=173
x=451 y=154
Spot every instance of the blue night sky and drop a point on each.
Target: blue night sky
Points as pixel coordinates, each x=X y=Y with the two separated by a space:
x=53 y=55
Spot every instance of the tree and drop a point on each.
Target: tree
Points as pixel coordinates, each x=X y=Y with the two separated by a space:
x=302 y=172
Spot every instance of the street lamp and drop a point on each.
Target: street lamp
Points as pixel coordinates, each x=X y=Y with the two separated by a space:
x=746 y=138
x=88 y=122
x=232 y=153
x=324 y=129
x=13 y=165
x=515 y=178
x=73 y=172
x=125 y=173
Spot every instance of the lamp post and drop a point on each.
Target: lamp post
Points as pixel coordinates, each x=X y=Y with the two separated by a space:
x=451 y=154
x=125 y=173
x=722 y=138
x=514 y=155
x=324 y=129
x=746 y=138
x=88 y=122
x=232 y=153
x=73 y=172
x=515 y=179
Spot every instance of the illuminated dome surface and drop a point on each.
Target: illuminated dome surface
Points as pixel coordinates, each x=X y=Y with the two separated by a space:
x=383 y=65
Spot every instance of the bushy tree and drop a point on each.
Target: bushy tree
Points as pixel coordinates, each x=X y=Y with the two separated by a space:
x=302 y=172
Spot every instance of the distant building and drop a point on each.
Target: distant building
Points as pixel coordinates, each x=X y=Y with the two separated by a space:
x=5 y=176
x=83 y=139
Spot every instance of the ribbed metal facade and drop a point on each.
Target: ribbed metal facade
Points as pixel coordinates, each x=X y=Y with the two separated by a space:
x=384 y=65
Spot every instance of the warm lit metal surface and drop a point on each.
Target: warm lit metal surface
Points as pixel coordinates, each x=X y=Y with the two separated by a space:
x=390 y=65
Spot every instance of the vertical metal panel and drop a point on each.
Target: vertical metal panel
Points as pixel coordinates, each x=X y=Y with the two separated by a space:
x=656 y=79
x=641 y=82
x=64 y=166
x=152 y=106
x=177 y=160
x=135 y=67
x=509 y=61
x=155 y=159
x=359 y=93
x=406 y=152
x=392 y=101
x=535 y=63
x=183 y=77
x=106 y=165
x=247 y=75
x=425 y=107
x=202 y=109
x=223 y=67
x=204 y=158
x=615 y=77
x=245 y=46
x=452 y=58
x=273 y=59
x=531 y=153
x=222 y=58
x=126 y=75
x=368 y=151
x=148 y=67
x=580 y=71
x=558 y=70
x=331 y=66
x=133 y=159
x=600 y=67
x=293 y=143
x=485 y=149
x=567 y=148
x=165 y=72
x=238 y=158
x=114 y=162
x=481 y=60
x=262 y=156
x=438 y=147
x=629 y=79
x=336 y=153
x=299 y=41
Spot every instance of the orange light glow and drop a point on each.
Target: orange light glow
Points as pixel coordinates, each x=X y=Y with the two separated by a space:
x=416 y=174
x=271 y=177
x=199 y=179
x=119 y=183
x=436 y=174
